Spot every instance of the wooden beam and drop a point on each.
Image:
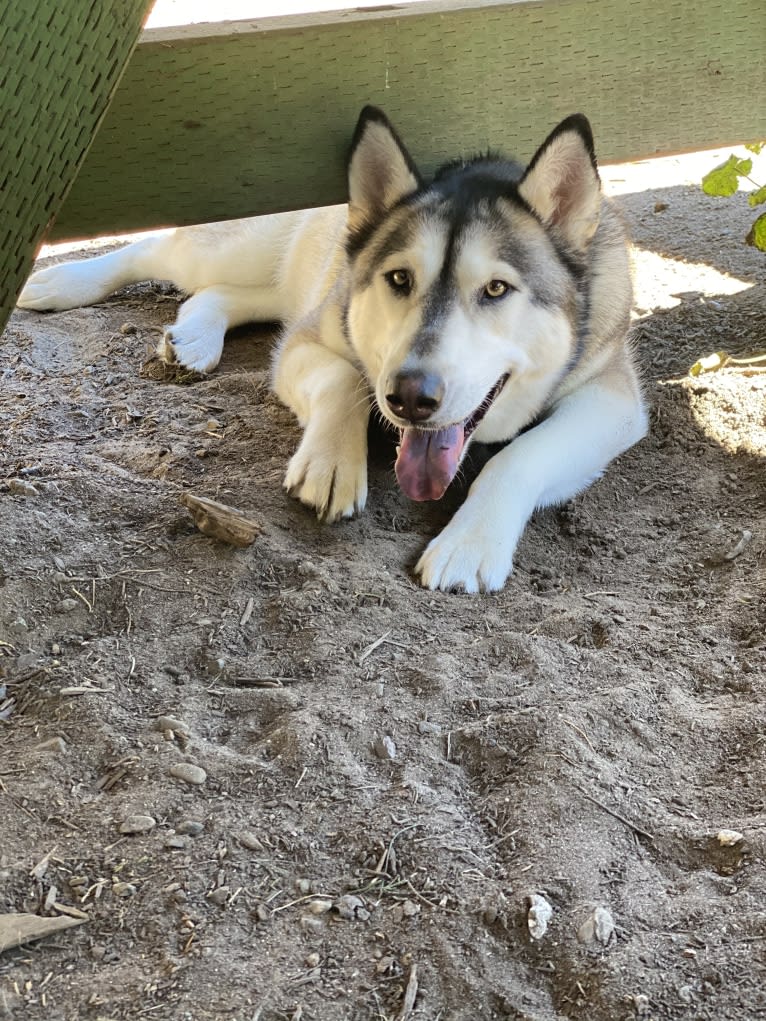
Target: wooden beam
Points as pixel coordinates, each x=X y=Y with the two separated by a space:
x=221 y=121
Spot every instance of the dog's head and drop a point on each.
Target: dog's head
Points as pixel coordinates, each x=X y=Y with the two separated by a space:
x=464 y=298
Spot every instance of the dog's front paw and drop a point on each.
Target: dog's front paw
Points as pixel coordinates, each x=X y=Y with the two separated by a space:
x=331 y=478
x=468 y=556
x=193 y=345
x=58 y=288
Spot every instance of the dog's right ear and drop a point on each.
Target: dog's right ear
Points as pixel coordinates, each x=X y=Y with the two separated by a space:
x=380 y=170
x=562 y=184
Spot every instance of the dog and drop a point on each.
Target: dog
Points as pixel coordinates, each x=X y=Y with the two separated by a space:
x=489 y=304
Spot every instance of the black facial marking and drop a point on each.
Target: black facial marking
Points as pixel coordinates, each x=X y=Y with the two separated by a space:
x=438 y=300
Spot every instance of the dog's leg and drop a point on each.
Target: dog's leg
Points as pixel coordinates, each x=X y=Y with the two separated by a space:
x=195 y=340
x=73 y=284
x=549 y=464
x=331 y=400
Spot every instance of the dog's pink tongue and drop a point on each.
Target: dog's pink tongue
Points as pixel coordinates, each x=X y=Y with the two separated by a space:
x=428 y=461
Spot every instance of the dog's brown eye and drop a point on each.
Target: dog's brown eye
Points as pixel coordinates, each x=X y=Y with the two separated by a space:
x=400 y=280
x=496 y=289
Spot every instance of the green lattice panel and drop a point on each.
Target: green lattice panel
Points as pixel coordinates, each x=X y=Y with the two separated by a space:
x=59 y=65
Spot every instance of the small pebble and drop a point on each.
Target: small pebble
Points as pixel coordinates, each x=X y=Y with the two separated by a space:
x=320 y=907
x=385 y=748
x=426 y=727
x=312 y=960
x=123 y=889
x=597 y=927
x=55 y=649
x=190 y=827
x=172 y=724
x=68 y=604
x=175 y=842
x=219 y=896
x=57 y=745
x=189 y=773
x=303 y=886
x=489 y=914
x=728 y=838
x=214 y=666
x=352 y=908
x=310 y=924
x=138 y=824
x=19 y=487
x=250 y=841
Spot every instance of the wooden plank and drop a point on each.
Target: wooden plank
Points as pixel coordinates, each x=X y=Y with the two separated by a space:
x=213 y=122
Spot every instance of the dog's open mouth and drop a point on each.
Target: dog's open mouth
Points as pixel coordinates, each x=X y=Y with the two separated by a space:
x=428 y=459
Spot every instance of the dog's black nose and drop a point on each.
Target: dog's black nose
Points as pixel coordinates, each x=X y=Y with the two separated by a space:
x=415 y=396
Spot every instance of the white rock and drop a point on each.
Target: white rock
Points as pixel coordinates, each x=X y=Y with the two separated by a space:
x=138 y=824
x=189 y=773
x=539 y=913
x=728 y=838
x=172 y=724
x=123 y=889
x=597 y=927
x=385 y=747
x=320 y=907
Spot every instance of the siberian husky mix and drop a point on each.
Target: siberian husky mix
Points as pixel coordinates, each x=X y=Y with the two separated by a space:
x=489 y=304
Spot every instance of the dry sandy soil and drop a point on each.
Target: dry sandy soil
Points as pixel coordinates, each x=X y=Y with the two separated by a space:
x=392 y=777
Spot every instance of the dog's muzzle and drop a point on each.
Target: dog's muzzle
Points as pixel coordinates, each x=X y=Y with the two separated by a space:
x=428 y=459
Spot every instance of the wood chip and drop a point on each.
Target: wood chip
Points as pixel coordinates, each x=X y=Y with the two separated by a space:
x=740 y=547
x=221 y=522
x=410 y=994
x=70 y=911
x=16 y=929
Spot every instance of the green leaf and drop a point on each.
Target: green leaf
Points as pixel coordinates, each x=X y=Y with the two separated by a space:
x=709 y=363
x=724 y=179
x=757 y=235
x=756 y=147
x=757 y=198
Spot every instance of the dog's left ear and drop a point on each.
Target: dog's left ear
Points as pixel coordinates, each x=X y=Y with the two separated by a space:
x=562 y=184
x=380 y=170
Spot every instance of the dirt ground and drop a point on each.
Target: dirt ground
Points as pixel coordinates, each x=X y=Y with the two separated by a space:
x=397 y=786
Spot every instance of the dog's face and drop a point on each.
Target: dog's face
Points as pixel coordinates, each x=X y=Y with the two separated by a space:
x=463 y=301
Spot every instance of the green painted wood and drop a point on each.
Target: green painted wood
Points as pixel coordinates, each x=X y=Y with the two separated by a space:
x=59 y=66
x=213 y=122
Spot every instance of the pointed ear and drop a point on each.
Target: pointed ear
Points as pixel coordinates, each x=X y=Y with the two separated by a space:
x=562 y=184
x=380 y=170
